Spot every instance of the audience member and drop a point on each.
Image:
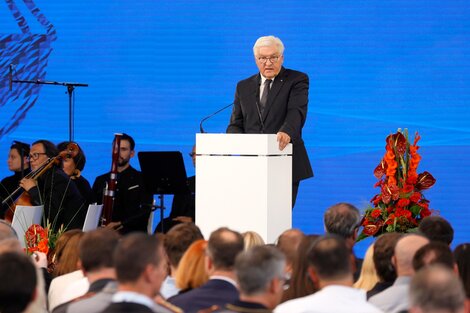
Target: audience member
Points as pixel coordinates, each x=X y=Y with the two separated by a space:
x=288 y=242
x=191 y=272
x=261 y=276
x=436 y=228
x=176 y=242
x=141 y=267
x=19 y=278
x=223 y=247
x=300 y=284
x=384 y=248
x=251 y=239
x=344 y=219
x=330 y=267
x=462 y=259
x=436 y=289
x=66 y=269
x=395 y=298
x=434 y=252
x=368 y=277
x=96 y=261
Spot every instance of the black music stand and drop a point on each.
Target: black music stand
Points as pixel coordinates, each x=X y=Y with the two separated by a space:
x=163 y=174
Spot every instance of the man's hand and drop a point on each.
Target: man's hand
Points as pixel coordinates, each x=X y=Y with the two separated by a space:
x=27 y=183
x=183 y=219
x=283 y=140
x=114 y=225
x=39 y=259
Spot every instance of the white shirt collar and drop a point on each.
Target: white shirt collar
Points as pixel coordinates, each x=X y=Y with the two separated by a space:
x=134 y=297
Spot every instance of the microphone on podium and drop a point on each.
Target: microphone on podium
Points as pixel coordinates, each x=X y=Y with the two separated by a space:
x=209 y=116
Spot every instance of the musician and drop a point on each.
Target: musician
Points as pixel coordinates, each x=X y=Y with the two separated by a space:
x=18 y=163
x=129 y=212
x=63 y=204
x=73 y=167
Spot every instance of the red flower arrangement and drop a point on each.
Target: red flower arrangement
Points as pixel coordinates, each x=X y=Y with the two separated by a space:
x=400 y=205
x=39 y=239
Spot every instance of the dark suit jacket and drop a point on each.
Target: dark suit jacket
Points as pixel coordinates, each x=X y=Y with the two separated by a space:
x=214 y=292
x=285 y=111
x=125 y=307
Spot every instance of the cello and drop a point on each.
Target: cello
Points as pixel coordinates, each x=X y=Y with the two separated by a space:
x=21 y=197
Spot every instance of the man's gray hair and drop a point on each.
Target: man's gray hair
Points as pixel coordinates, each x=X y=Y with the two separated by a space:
x=437 y=289
x=257 y=266
x=268 y=41
x=342 y=219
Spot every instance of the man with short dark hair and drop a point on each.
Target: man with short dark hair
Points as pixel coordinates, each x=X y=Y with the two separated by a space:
x=18 y=287
x=63 y=204
x=433 y=253
x=141 y=266
x=384 y=248
x=436 y=289
x=395 y=298
x=436 y=228
x=344 y=219
x=288 y=242
x=222 y=248
x=176 y=242
x=261 y=276
x=128 y=213
x=330 y=261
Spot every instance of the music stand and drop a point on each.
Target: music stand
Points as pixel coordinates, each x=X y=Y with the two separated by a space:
x=163 y=174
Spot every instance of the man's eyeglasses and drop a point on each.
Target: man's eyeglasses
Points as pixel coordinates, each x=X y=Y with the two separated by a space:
x=285 y=281
x=272 y=59
x=35 y=156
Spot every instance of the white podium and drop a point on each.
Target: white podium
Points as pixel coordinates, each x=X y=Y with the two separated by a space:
x=244 y=182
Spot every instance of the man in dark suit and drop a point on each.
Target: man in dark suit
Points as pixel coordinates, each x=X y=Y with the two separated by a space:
x=141 y=267
x=222 y=248
x=274 y=101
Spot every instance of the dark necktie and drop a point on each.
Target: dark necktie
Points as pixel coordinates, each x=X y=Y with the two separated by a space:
x=264 y=96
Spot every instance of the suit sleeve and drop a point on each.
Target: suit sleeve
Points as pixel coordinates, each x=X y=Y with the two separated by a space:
x=236 y=119
x=296 y=108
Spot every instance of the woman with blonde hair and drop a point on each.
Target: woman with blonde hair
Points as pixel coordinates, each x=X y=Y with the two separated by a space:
x=251 y=239
x=368 y=277
x=191 y=272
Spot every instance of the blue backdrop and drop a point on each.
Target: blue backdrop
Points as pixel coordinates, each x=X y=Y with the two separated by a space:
x=155 y=68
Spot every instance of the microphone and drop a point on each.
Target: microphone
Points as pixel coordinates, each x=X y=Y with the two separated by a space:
x=10 y=76
x=209 y=116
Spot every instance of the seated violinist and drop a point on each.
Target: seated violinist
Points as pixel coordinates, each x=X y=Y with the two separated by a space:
x=73 y=167
x=63 y=204
x=18 y=163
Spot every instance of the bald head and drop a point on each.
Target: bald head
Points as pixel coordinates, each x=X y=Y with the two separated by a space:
x=404 y=252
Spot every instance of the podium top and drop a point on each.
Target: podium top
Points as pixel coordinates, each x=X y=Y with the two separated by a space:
x=240 y=144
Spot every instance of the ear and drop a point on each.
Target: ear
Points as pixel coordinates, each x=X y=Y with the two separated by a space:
x=394 y=262
x=148 y=273
x=354 y=236
x=132 y=153
x=313 y=276
x=208 y=264
x=80 y=267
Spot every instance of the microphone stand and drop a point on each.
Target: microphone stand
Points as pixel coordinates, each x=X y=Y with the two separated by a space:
x=70 y=90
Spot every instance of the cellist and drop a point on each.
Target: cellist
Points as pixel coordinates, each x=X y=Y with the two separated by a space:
x=63 y=204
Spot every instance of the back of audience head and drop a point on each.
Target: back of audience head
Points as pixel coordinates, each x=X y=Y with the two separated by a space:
x=300 y=283
x=178 y=239
x=433 y=253
x=405 y=250
x=223 y=247
x=330 y=261
x=368 y=277
x=135 y=255
x=436 y=289
x=288 y=242
x=6 y=231
x=462 y=259
x=260 y=271
x=66 y=254
x=342 y=219
x=18 y=277
x=251 y=239
x=191 y=272
x=8 y=238
x=384 y=249
x=96 y=249
x=436 y=228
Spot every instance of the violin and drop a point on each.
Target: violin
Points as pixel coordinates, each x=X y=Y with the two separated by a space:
x=21 y=197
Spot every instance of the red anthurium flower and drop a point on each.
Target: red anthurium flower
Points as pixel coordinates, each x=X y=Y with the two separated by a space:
x=425 y=181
